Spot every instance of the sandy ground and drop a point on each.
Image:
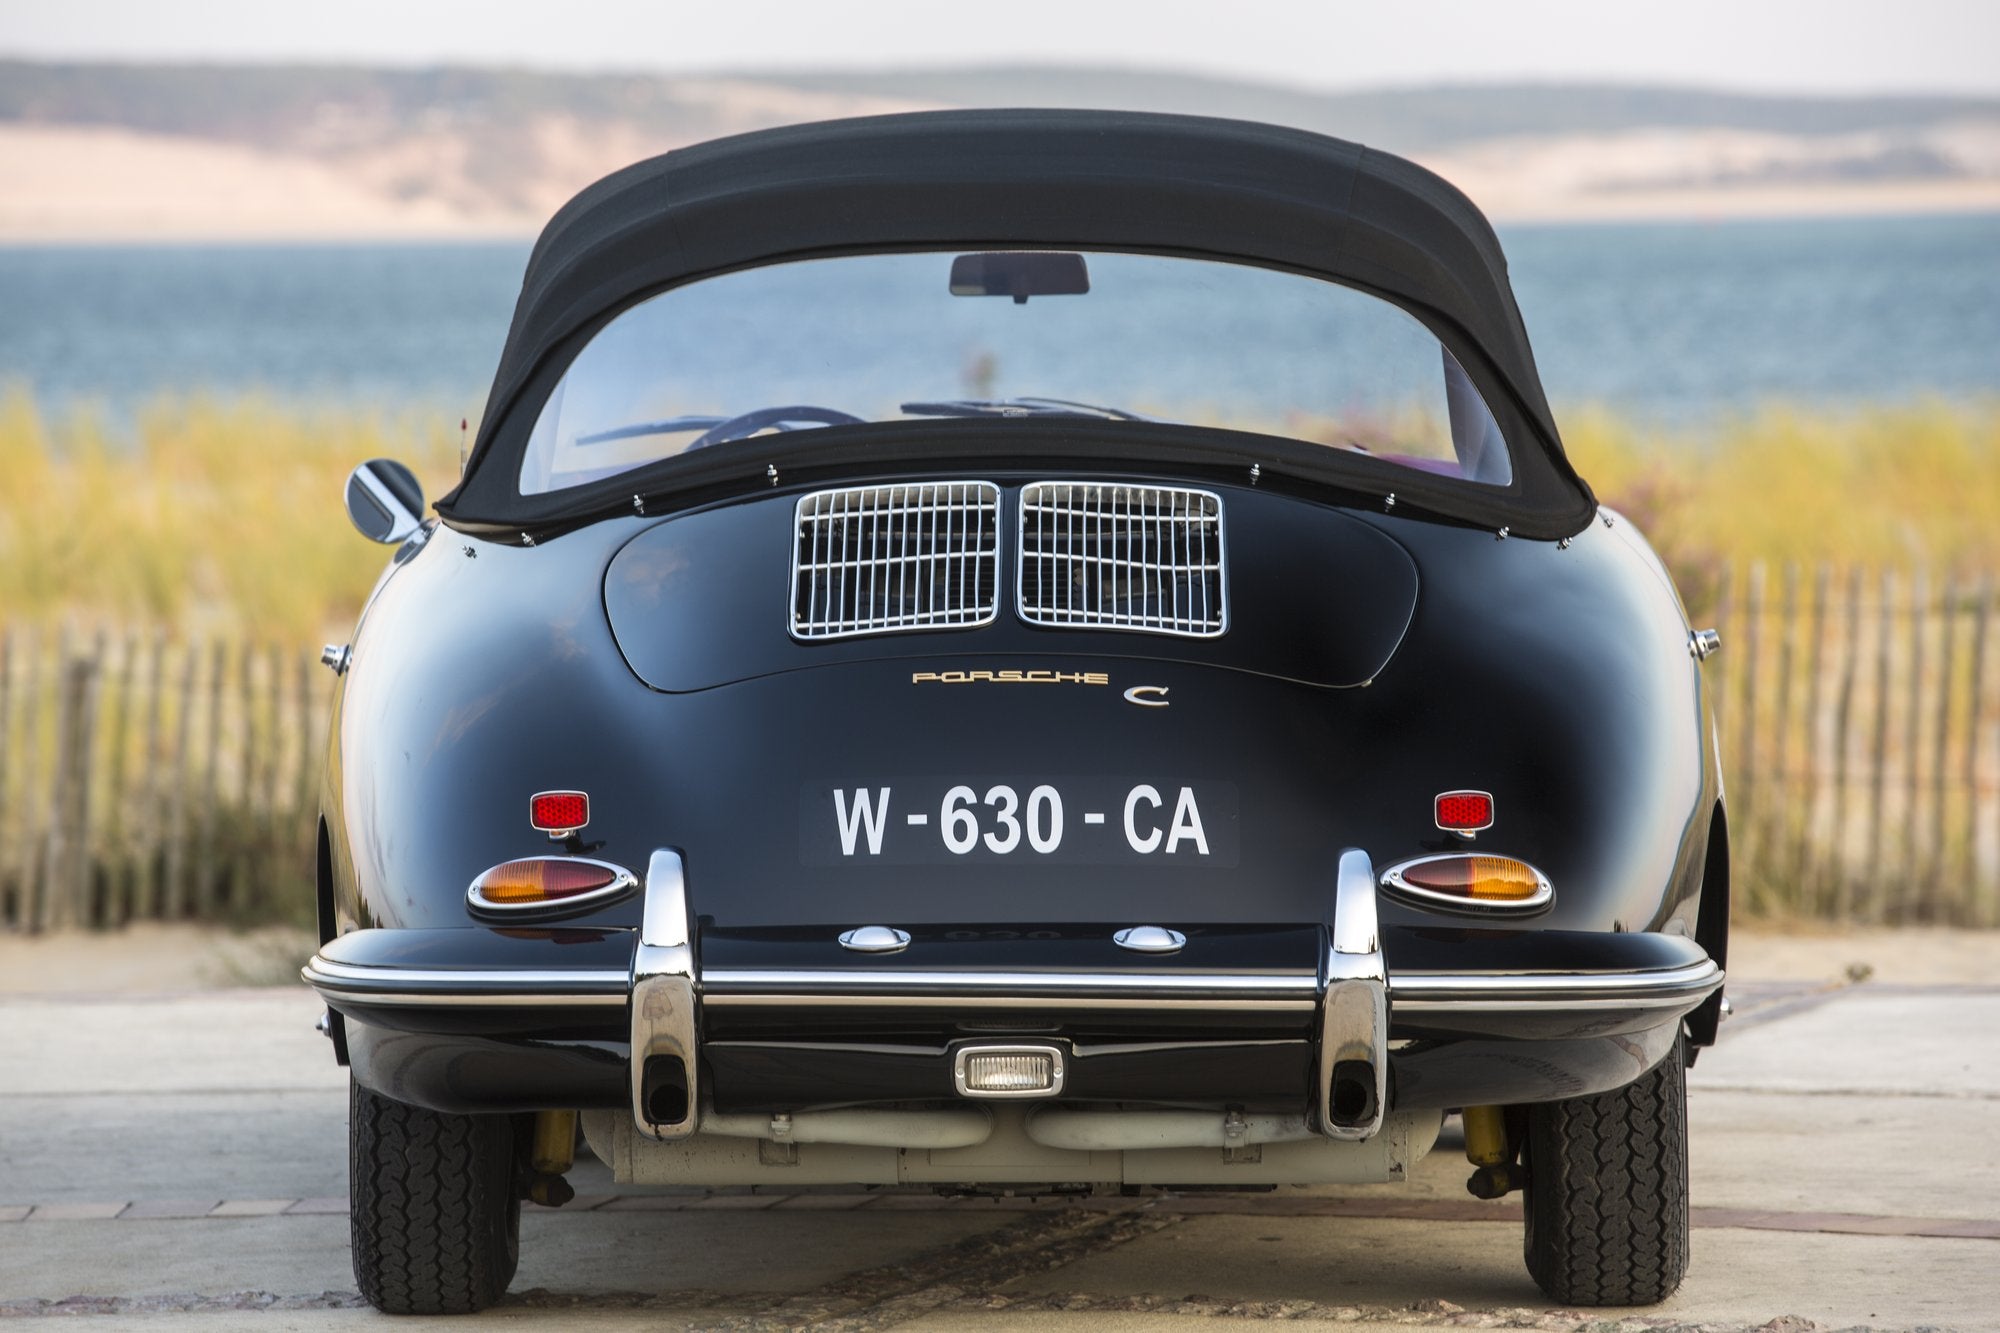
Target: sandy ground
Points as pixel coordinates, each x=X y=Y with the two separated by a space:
x=157 y=957
x=179 y=1161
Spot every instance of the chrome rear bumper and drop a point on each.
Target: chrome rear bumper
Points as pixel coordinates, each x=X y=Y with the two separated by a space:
x=1352 y=1004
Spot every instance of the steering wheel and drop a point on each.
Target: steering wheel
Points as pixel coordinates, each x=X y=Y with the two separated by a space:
x=749 y=423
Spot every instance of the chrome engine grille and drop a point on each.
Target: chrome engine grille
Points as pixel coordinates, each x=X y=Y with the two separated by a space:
x=1113 y=556
x=878 y=559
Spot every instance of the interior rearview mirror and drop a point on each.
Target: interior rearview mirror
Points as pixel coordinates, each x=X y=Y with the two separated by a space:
x=1020 y=274
x=384 y=500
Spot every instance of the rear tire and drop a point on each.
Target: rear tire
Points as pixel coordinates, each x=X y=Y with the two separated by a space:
x=1607 y=1192
x=436 y=1221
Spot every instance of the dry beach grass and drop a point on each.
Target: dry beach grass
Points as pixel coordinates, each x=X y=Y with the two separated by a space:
x=223 y=517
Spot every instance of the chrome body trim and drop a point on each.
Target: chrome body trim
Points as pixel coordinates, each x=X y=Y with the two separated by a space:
x=1427 y=992
x=448 y=984
x=665 y=1022
x=1354 y=1012
x=1521 y=992
x=1100 y=522
x=942 y=523
x=975 y=1002
x=721 y=984
x=622 y=882
x=492 y=999
x=1394 y=881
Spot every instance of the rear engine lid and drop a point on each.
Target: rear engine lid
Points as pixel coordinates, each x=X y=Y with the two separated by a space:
x=711 y=597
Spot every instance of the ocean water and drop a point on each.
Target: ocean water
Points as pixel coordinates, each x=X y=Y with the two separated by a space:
x=1672 y=322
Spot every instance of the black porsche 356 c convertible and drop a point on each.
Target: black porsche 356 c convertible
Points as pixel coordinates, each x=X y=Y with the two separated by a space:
x=1017 y=651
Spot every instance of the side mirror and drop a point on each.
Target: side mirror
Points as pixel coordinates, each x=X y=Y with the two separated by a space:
x=384 y=500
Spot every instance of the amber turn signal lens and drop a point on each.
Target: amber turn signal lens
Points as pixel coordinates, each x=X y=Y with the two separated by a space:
x=1494 y=881
x=541 y=880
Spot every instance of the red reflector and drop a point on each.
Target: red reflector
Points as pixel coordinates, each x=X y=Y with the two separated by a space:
x=558 y=811
x=1465 y=811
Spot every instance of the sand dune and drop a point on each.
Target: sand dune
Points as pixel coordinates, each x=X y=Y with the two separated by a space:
x=103 y=183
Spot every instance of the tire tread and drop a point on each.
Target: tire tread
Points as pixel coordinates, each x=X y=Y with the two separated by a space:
x=1608 y=1192
x=434 y=1223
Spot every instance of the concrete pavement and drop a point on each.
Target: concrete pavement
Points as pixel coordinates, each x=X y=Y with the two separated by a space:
x=180 y=1159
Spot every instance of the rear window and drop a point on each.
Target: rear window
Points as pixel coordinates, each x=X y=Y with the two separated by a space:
x=1011 y=336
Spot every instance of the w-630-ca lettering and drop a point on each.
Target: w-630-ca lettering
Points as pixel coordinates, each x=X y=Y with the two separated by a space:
x=1155 y=821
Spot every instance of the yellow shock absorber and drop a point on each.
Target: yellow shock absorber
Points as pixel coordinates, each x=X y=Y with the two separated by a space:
x=1486 y=1147
x=552 y=1155
x=1485 y=1136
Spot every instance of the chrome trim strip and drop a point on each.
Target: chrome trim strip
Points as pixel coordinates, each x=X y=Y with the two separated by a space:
x=665 y=1023
x=622 y=882
x=1354 y=1015
x=326 y=973
x=849 y=1000
x=1394 y=881
x=1413 y=992
x=920 y=509
x=472 y=1000
x=1517 y=992
x=721 y=982
x=1091 y=517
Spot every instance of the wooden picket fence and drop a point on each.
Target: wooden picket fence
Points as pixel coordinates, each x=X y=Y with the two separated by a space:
x=147 y=779
x=1859 y=713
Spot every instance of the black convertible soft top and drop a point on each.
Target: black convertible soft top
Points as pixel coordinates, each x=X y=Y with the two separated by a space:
x=1132 y=181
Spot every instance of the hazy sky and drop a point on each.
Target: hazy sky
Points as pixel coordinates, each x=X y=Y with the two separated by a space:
x=1776 y=45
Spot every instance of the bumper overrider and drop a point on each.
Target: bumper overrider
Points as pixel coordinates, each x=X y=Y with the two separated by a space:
x=762 y=1034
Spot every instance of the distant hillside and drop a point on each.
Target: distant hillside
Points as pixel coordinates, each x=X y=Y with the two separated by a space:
x=137 y=151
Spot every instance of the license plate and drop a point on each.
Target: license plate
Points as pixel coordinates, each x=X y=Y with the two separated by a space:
x=1059 y=821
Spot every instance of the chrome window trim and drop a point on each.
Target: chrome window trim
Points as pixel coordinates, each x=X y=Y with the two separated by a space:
x=1396 y=884
x=622 y=882
x=989 y=497
x=1042 y=621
